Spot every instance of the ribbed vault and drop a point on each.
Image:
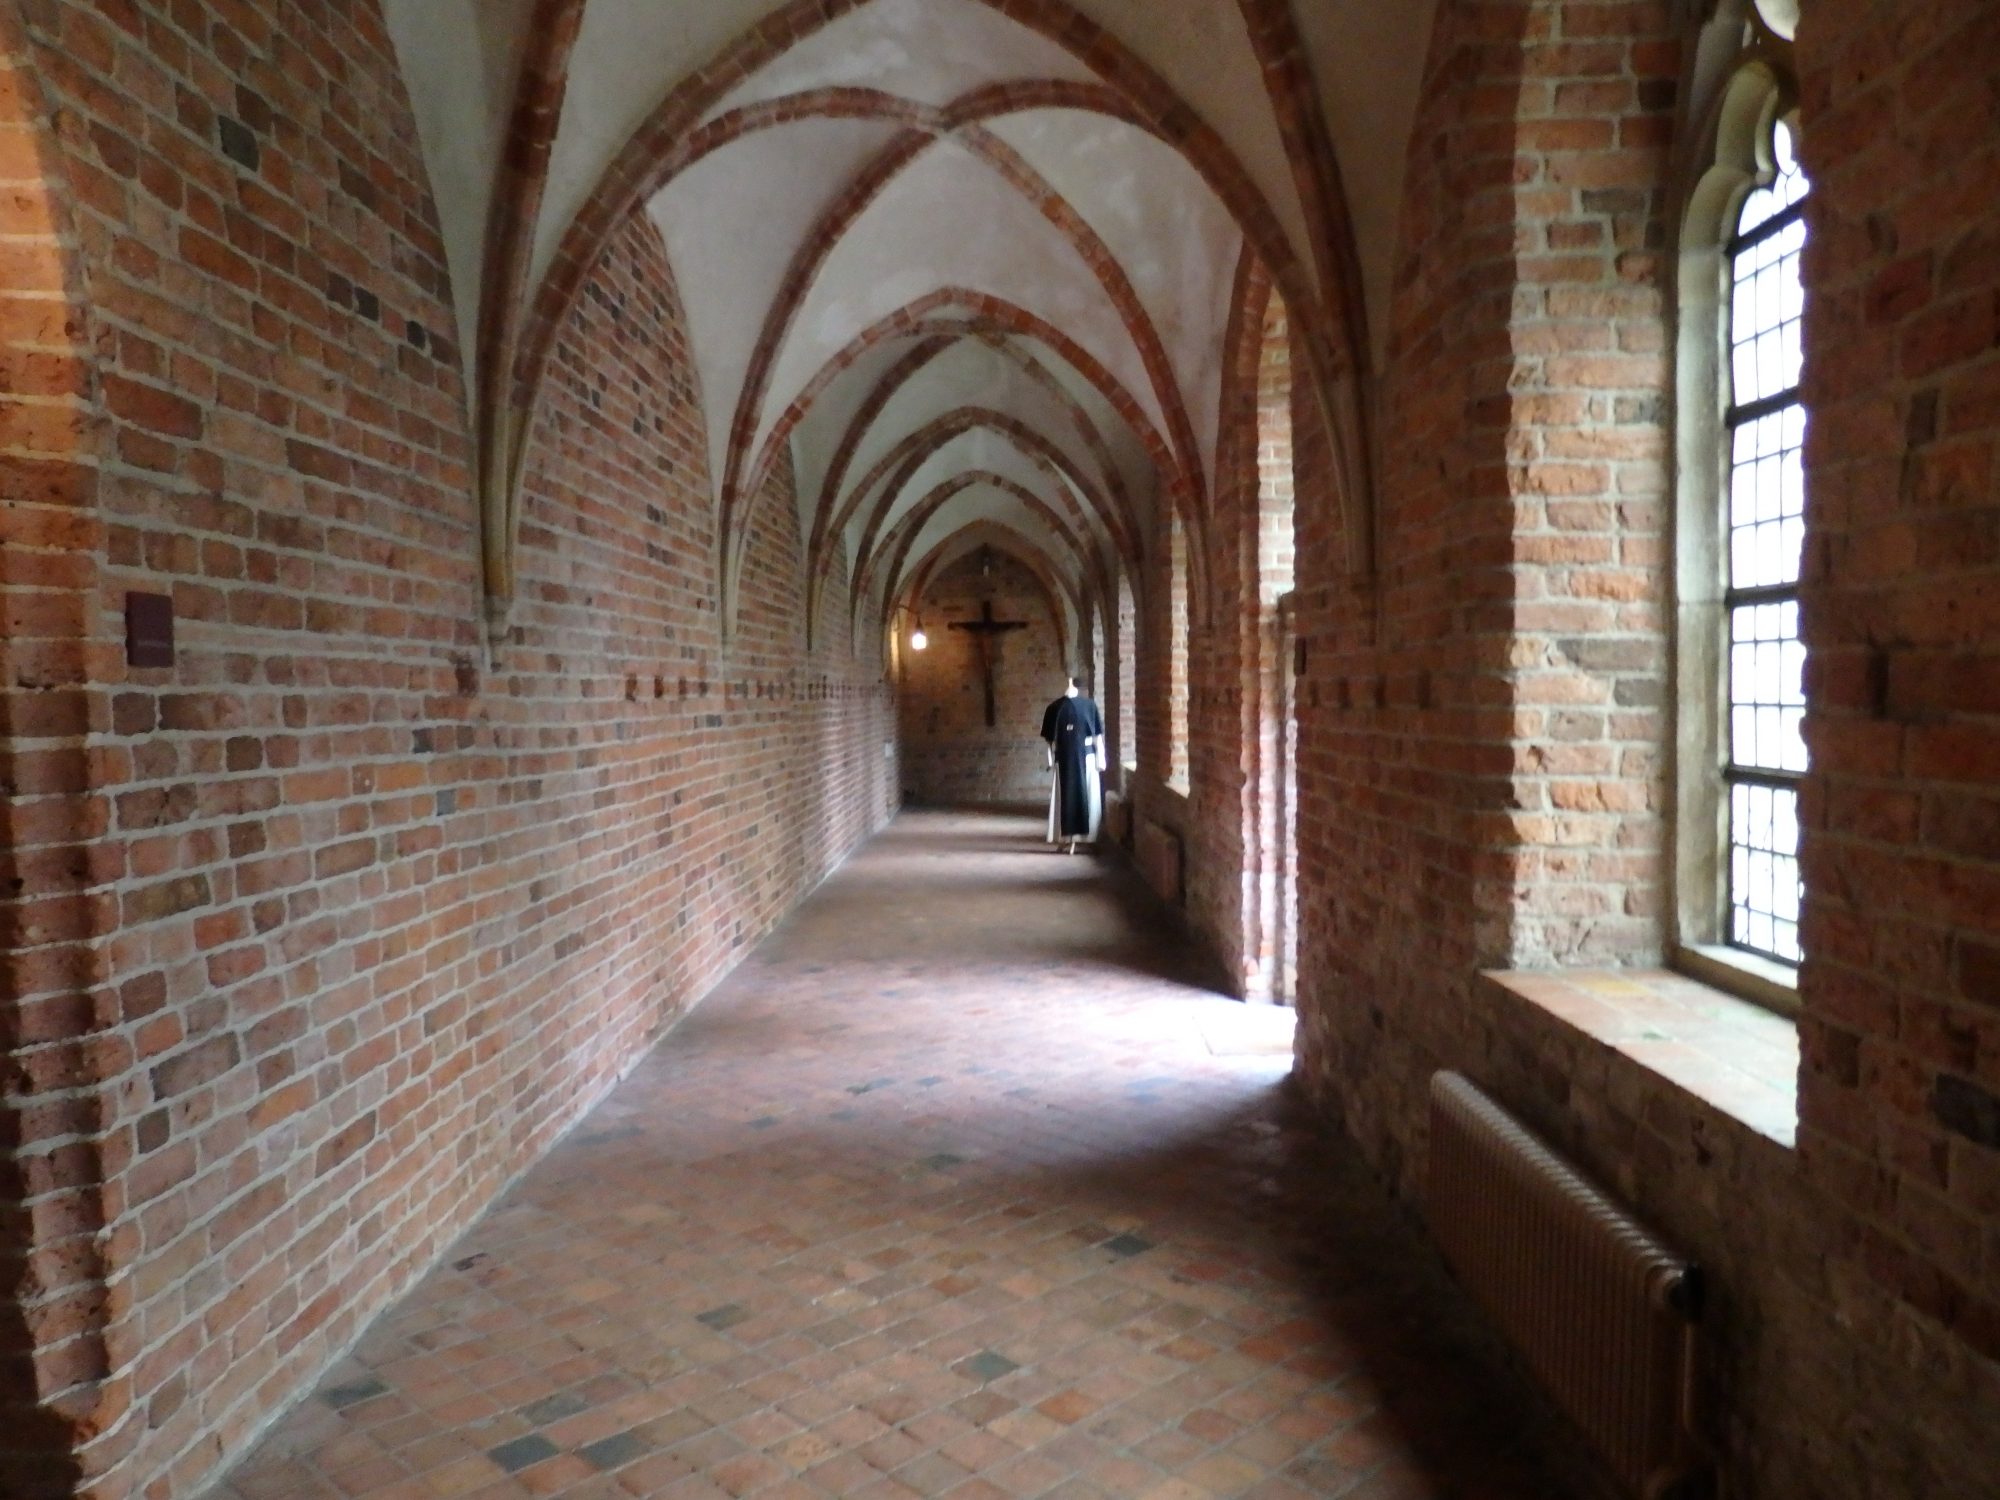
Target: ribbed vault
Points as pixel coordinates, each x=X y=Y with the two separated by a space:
x=968 y=264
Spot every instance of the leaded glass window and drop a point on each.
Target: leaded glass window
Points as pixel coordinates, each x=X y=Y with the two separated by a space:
x=1765 y=532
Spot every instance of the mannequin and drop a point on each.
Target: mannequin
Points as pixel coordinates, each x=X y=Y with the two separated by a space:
x=1073 y=737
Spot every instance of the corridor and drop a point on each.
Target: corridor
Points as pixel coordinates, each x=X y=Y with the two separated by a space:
x=957 y=1187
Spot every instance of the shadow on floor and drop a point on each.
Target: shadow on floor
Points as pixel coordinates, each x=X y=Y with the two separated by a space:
x=950 y=1191
x=994 y=891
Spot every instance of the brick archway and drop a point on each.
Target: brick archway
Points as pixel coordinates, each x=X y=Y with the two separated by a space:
x=60 y=1390
x=1257 y=523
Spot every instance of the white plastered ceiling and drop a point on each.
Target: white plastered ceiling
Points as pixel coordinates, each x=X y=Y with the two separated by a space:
x=924 y=227
x=461 y=61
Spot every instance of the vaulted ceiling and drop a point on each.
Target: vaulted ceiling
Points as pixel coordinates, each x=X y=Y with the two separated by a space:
x=970 y=261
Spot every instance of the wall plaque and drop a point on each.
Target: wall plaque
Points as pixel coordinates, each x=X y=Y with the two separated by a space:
x=149 y=630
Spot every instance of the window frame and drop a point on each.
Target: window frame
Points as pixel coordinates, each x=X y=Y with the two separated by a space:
x=1738 y=157
x=1773 y=420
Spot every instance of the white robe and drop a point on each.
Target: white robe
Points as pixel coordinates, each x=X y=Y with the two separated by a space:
x=1093 y=785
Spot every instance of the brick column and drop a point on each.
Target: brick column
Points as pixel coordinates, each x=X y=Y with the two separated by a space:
x=1482 y=721
x=61 y=1388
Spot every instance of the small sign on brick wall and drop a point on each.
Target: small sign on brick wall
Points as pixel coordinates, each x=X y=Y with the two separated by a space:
x=149 y=630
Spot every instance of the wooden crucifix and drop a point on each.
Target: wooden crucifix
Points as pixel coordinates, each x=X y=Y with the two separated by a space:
x=986 y=632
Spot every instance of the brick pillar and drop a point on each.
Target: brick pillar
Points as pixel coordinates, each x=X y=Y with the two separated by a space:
x=1235 y=844
x=62 y=1390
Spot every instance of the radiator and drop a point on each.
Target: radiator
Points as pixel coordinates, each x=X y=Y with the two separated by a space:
x=1603 y=1313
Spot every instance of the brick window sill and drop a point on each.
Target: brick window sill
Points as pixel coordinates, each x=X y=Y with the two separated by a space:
x=1738 y=1058
x=1758 y=980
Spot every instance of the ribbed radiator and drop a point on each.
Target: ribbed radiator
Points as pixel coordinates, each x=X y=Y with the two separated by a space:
x=1602 y=1311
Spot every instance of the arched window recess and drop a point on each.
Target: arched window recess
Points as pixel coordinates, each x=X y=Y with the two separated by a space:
x=1739 y=540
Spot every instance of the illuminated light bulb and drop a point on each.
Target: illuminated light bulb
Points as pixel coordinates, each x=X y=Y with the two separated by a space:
x=918 y=640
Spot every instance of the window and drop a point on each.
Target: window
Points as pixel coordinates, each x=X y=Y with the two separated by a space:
x=1276 y=545
x=1127 y=728
x=1177 y=655
x=1273 y=827
x=1740 y=529
x=1095 y=664
x=1764 y=527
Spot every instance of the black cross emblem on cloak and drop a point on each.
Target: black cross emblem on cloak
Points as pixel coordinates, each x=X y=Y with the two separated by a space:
x=986 y=632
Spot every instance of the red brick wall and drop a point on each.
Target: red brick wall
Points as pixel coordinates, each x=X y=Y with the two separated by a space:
x=1482 y=735
x=379 y=919
x=1482 y=732
x=1160 y=670
x=1220 y=687
x=1390 y=875
x=950 y=757
x=1277 y=550
x=1900 y=1109
x=1229 y=667
x=55 y=1008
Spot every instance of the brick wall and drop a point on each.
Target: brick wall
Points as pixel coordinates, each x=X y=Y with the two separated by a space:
x=323 y=933
x=363 y=920
x=950 y=757
x=55 y=1007
x=1272 y=957
x=1228 y=819
x=1900 y=1105
x=1481 y=722
x=1162 y=658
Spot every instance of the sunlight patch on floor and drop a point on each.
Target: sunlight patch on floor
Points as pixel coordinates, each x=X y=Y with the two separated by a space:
x=1239 y=1030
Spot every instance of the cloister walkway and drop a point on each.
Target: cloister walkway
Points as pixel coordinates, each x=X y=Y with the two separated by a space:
x=960 y=1186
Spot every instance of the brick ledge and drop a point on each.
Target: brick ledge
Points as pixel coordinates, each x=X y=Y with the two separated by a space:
x=1734 y=1056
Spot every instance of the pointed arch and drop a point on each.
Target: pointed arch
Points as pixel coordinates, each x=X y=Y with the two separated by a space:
x=1130 y=89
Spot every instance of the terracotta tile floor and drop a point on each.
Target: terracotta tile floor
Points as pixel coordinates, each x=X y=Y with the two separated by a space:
x=954 y=1188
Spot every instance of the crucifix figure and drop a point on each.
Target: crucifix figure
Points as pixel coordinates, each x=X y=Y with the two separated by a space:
x=986 y=632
